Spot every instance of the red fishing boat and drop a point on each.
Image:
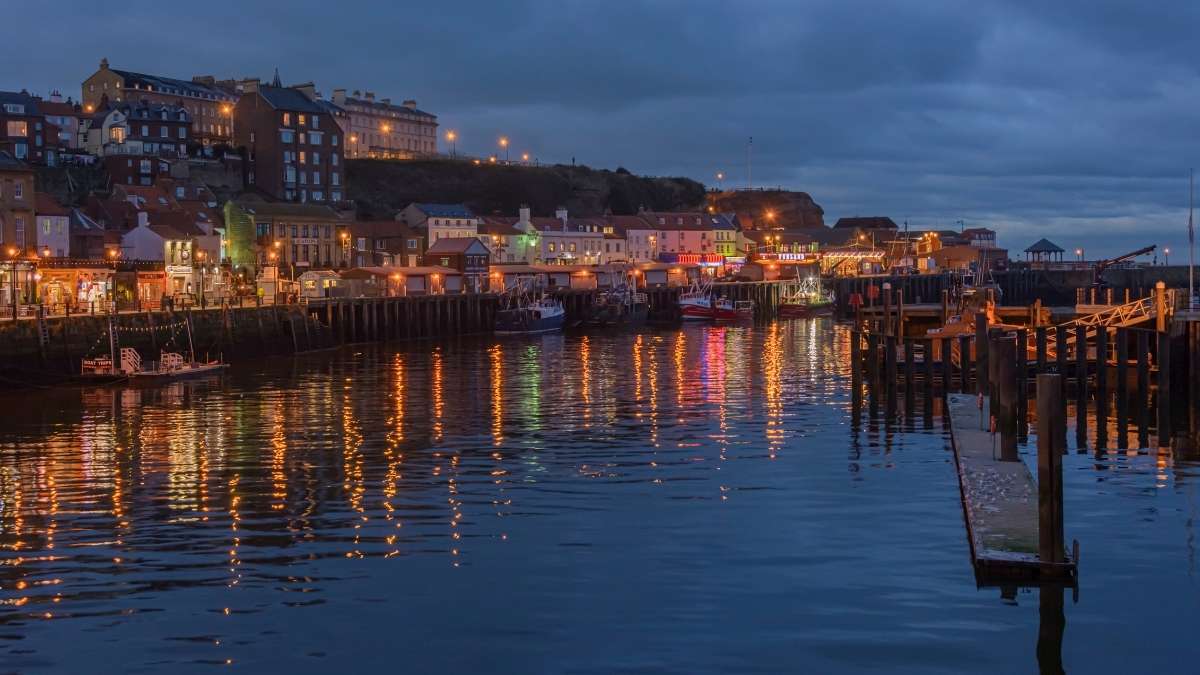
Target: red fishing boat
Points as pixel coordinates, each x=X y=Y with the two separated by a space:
x=699 y=304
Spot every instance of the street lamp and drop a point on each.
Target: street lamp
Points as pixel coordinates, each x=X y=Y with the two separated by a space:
x=721 y=181
x=452 y=136
x=504 y=144
x=345 y=247
x=525 y=157
x=200 y=256
x=1166 y=257
x=1079 y=254
x=12 y=280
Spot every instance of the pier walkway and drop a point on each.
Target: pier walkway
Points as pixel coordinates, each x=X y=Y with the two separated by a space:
x=1000 y=501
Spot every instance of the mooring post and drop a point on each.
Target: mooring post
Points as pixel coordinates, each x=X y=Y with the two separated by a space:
x=1004 y=404
x=887 y=309
x=1081 y=386
x=927 y=363
x=981 y=355
x=1142 y=399
x=1061 y=345
x=964 y=363
x=1101 y=387
x=1041 y=349
x=1122 y=388
x=947 y=364
x=1160 y=307
x=1051 y=416
x=873 y=358
x=856 y=357
x=1164 y=389
x=890 y=374
x=1022 y=366
x=945 y=306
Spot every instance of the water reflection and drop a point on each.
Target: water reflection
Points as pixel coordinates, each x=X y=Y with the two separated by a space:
x=715 y=487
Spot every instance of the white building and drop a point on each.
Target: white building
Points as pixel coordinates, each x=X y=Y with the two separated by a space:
x=440 y=221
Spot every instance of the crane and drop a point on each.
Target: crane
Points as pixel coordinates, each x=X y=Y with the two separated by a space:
x=1102 y=265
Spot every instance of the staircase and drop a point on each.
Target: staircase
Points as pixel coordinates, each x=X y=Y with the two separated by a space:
x=1129 y=314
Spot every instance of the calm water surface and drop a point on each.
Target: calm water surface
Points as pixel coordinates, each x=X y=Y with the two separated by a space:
x=703 y=500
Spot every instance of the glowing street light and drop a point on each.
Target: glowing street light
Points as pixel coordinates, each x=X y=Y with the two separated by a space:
x=451 y=137
x=1079 y=254
x=721 y=181
x=525 y=157
x=1167 y=257
x=504 y=144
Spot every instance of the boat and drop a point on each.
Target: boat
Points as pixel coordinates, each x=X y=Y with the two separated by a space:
x=805 y=298
x=699 y=304
x=618 y=306
x=130 y=366
x=524 y=315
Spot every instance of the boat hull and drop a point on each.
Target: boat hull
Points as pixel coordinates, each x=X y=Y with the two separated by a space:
x=525 y=322
x=804 y=311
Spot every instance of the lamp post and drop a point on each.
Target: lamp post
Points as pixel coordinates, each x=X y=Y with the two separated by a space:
x=228 y=111
x=525 y=157
x=12 y=279
x=504 y=145
x=653 y=248
x=452 y=136
x=721 y=181
x=345 y=247
x=1166 y=257
x=1079 y=254
x=200 y=256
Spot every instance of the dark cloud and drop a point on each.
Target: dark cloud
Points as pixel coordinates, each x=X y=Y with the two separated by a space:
x=1072 y=119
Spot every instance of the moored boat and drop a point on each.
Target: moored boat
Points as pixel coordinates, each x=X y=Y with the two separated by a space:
x=805 y=298
x=699 y=304
x=619 y=306
x=544 y=315
x=125 y=363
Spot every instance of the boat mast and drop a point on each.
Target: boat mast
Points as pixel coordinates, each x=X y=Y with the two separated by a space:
x=191 y=347
x=112 y=345
x=1191 y=241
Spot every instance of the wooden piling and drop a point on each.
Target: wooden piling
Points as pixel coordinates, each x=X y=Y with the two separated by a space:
x=1164 y=389
x=1051 y=415
x=981 y=355
x=1101 y=387
x=947 y=365
x=1081 y=386
x=1005 y=402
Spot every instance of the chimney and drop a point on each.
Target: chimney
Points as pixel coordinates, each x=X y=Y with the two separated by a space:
x=410 y=104
x=339 y=96
x=561 y=214
x=104 y=63
x=143 y=219
x=308 y=89
x=250 y=86
x=56 y=96
x=370 y=96
x=385 y=101
x=524 y=211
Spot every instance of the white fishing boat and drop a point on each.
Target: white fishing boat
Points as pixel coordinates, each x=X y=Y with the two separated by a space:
x=126 y=363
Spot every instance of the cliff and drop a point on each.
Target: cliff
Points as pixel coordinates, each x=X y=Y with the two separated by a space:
x=380 y=188
x=791 y=210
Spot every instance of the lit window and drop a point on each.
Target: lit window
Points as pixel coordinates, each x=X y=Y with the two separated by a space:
x=17 y=128
x=287 y=119
x=302 y=119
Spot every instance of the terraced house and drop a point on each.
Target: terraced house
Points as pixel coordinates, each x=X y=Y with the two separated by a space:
x=293 y=145
x=380 y=129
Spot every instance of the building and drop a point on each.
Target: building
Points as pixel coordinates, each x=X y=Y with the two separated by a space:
x=140 y=129
x=294 y=237
x=53 y=227
x=379 y=129
x=173 y=244
x=384 y=243
x=16 y=206
x=25 y=133
x=292 y=143
x=467 y=255
x=865 y=223
x=509 y=244
x=440 y=221
x=67 y=116
x=209 y=107
x=725 y=236
x=562 y=240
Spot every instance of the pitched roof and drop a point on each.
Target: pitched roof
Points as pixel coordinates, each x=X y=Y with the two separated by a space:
x=46 y=205
x=1044 y=245
x=456 y=245
x=170 y=85
x=20 y=98
x=827 y=237
x=866 y=222
x=10 y=163
x=288 y=209
x=679 y=220
x=621 y=224
x=499 y=225
x=382 y=229
x=390 y=107
x=286 y=98
x=445 y=210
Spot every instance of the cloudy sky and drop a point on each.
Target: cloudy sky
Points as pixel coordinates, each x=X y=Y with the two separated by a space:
x=1073 y=119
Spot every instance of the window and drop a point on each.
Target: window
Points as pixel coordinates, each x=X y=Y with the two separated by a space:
x=116 y=134
x=362 y=244
x=279 y=230
x=334 y=178
x=551 y=247
x=316 y=122
x=327 y=231
x=303 y=157
x=19 y=221
x=301 y=138
x=314 y=137
x=412 y=244
x=316 y=178
x=302 y=119
x=333 y=140
x=145 y=130
x=335 y=196
x=17 y=128
x=316 y=159
x=572 y=247
x=287 y=119
x=182 y=133
x=289 y=174
x=287 y=136
x=45 y=226
x=164 y=132
x=333 y=159
x=20 y=150
x=18 y=190
x=14 y=109
x=304 y=178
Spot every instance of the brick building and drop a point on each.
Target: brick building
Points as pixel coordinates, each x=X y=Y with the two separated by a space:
x=24 y=131
x=209 y=107
x=16 y=205
x=292 y=144
x=138 y=128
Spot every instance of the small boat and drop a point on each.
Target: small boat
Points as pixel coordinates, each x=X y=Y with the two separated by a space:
x=619 y=306
x=699 y=304
x=805 y=298
x=525 y=317
x=170 y=366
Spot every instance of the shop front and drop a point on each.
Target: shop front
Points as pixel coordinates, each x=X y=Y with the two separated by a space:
x=179 y=280
x=152 y=287
x=75 y=289
x=18 y=286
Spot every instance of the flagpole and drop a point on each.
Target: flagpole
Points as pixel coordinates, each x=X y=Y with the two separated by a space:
x=1191 y=241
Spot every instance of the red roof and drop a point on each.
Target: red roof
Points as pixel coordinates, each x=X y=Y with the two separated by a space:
x=46 y=205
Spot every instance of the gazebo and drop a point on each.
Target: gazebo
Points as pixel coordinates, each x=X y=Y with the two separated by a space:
x=1044 y=251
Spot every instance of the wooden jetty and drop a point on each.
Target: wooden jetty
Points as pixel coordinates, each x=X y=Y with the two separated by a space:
x=1005 y=515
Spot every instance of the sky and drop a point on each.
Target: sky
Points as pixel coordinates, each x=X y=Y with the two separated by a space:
x=1073 y=119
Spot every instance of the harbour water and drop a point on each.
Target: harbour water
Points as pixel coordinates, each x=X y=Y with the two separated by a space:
x=706 y=499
